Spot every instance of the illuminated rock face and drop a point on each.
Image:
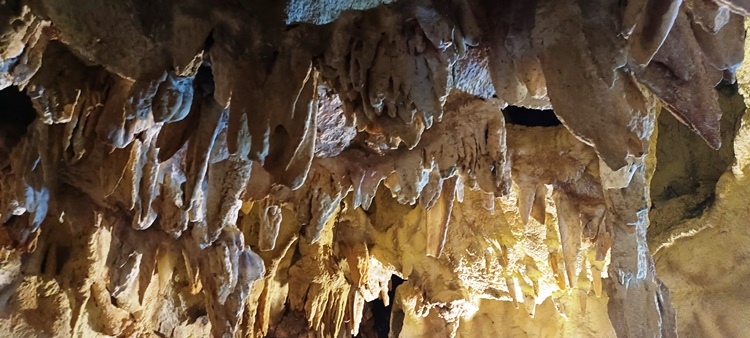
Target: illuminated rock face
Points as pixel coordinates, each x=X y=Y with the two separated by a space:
x=433 y=168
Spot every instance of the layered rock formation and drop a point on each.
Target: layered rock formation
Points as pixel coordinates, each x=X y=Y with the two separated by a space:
x=410 y=168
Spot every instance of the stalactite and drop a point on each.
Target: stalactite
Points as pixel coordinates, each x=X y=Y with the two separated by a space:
x=235 y=167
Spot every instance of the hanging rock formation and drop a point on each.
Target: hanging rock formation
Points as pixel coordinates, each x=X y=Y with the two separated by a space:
x=293 y=168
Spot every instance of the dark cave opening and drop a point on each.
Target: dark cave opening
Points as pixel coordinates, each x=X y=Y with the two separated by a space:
x=16 y=113
x=530 y=117
x=381 y=314
x=16 y=108
x=204 y=79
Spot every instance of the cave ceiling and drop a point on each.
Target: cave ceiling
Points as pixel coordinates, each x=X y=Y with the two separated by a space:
x=436 y=168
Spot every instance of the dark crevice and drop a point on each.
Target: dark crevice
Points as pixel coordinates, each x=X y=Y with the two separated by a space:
x=530 y=117
x=16 y=108
x=62 y=254
x=195 y=312
x=702 y=206
x=16 y=113
x=209 y=41
x=728 y=88
x=296 y=255
x=204 y=79
x=382 y=314
x=43 y=264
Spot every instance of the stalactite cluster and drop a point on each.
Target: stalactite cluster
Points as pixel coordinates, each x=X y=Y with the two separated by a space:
x=264 y=168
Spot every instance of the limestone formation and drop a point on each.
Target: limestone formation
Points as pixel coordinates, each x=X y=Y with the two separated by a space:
x=436 y=168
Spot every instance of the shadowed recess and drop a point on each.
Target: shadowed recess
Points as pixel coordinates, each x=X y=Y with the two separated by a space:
x=381 y=313
x=15 y=108
x=530 y=117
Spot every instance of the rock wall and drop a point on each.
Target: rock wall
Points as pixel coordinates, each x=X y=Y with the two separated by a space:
x=702 y=258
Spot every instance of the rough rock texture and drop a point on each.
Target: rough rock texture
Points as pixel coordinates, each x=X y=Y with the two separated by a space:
x=702 y=253
x=332 y=168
